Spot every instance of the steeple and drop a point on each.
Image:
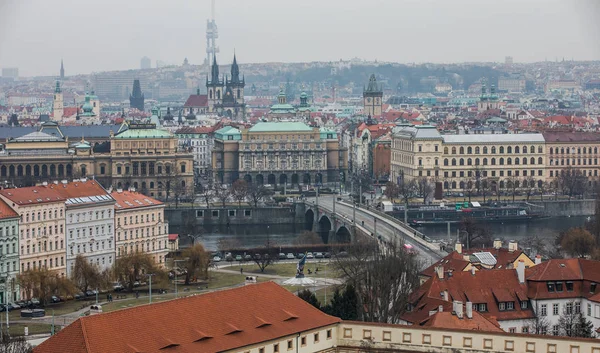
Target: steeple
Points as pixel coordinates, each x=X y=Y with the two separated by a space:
x=214 y=78
x=136 y=98
x=57 y=89
x=235 y=71
x=62 y=70
x=484 y=95
x=372 y=87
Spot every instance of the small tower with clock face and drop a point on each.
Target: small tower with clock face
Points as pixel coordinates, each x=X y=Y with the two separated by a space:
x=372 y=97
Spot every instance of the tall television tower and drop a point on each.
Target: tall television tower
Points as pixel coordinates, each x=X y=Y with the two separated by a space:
x=212 y=33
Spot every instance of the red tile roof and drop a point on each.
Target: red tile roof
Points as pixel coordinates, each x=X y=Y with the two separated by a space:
x=580 y=272
x=447 y=320
x=6 y=211
x=129 y=199
x=453 y=261
x=78 y=189
x=213 y=322
x=504 y=257
x=487 y=287
x=173 y=237
x=196 y=101
x=31 y=195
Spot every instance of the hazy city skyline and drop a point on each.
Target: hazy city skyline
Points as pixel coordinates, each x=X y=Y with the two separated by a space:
x=112 y=35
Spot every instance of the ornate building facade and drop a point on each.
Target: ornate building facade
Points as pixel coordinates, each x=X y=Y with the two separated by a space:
x=278 y=153
x=138 y=156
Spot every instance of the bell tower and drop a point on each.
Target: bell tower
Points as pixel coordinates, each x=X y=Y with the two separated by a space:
x=57 y=103
x=372 y=97
x=214 y=87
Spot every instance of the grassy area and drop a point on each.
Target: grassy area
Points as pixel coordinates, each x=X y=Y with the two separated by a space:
x=287 y=269
x=321 y=293
x=34 y=328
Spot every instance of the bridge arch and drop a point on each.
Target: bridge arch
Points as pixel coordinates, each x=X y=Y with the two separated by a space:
x=324 y=227
x=343 y=235
x=309 y=219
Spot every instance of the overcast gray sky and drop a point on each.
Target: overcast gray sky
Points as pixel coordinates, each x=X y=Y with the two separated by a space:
x=99 y=35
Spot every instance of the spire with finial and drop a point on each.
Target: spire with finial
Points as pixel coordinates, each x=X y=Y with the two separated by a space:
x=235 y=70
x=62 y=70
x=214 y=78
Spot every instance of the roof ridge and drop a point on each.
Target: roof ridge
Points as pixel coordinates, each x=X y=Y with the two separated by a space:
x=84 y=333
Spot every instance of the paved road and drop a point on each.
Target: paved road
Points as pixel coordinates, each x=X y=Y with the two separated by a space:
x=386 y=231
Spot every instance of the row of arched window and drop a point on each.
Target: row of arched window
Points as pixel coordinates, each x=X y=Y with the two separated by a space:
x=501 y=160
x=508 y=184
x=494 y=150
x=573 y=150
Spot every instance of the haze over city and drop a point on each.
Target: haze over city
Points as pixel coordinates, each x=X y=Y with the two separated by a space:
x=113 y=35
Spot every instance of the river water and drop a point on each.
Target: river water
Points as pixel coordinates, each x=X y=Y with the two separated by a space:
x=257 y=235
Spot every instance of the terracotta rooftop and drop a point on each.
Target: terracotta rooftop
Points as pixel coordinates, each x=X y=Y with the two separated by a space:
x=131 y=199
x=31 y=195
x=79 y=189
x=579 y=136
x=196 y=100
x=6 y=211
x=453 y=261
x=448 y=320
x=213 y=322
x=482 y=287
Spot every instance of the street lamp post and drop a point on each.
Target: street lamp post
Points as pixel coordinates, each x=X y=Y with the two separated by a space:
x=150 y=287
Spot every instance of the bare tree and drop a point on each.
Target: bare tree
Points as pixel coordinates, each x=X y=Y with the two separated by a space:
x=222 y=193
x=424 y=188
x=197 y=261
x=16 y=344
x=529 y=186
x=407 y=190
x=485 y=187
x=383 y=276
x=512 y=184
x=43 y=284
x=572 y=323
x=206 y=192
x=474 y=234
x=88 y=276
x=131 y=267
x=578 y=242
x=571 y=182
x=268 y=255
x=257 y=193
x=539 y=324
x=391 y=190
x=239 y=191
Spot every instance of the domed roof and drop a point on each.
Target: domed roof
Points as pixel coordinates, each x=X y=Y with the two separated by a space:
x=87 y=106
x=303 y=95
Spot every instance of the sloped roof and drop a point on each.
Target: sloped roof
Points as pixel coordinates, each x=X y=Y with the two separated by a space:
x=38 y=136
x=79 y=192
x=213 y=322
x=447 y=320
x=487 y=287
x=565 y=270
x=129 y=199
x=453 y=261
x=6 y=211
x=196 y=101
x=32 y=195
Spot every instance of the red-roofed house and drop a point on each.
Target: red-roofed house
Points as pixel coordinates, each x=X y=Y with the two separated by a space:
x=196 y=103
x=255 y=318
x=41 y=226
x=140 y=225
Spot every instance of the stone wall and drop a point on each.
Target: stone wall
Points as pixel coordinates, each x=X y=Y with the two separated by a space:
x=565 y=208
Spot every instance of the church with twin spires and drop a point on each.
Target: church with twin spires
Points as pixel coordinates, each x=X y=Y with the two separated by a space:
x=226 y=93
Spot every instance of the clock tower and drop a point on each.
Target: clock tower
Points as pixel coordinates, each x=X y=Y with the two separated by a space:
x=372 y=97
x=57 y=103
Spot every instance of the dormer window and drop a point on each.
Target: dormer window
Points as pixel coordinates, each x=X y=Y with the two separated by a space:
x=569 y=286
x=559 y=286
x=550 y=286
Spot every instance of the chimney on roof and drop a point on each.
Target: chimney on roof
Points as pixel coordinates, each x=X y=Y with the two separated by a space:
x=119 y=190
x=45 y=183
x=521 y=271
x=439 y=270
x=445 y=295
x=512 y=246
x=55 y=182
x=469 y=310
x=497 y=243
x=458 y=248
x=131 y=189
x=441 y=308
x=538 y=259
x=64 y=181
x=458 y=308
x=473 y=270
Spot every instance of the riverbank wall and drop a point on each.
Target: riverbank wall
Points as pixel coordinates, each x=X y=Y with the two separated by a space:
x=210 y=219
x=565 y=208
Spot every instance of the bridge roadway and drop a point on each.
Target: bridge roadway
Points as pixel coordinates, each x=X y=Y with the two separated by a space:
x=387 y=227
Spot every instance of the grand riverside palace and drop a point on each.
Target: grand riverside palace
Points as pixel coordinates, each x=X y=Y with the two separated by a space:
x=279 y=153
x=136 y=155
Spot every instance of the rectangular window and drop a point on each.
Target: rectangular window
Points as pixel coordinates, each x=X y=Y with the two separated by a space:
x=555 y=330
x=559 y=286
x=569 y=286
x=231 y=213
x=290 y=345
x=316 y=337
x=550 y=286
x=276 y=348
x=215 y=213
x=510 y=305
x=303 y=341
x=199 y=213
x=501 y=306
x=329 y=333
x=555 y=309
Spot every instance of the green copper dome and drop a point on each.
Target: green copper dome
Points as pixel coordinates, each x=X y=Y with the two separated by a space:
x=87 y=106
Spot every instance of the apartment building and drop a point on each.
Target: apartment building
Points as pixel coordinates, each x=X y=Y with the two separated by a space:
x=140 y=225
x=574 y=150
x=41 y=226
x=9 y=253
x=89 y=222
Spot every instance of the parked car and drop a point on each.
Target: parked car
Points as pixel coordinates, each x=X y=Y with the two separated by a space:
x=247 y=257
x=326 y=255
x=342 y=254
x=78 y=296
x=282 y=256
x=257 y=256
x=300 y=255
x=319 y=255
x=55 y=299
x=216 y=259
x=290 y=256
x=310 y=255
x=13 y=306
x=35 y=301
x=238 y=258
x=117 y=287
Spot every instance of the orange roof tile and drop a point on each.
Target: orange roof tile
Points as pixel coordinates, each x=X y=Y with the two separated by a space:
x=129 y=199
x=453 y=261
x=447 y=320
x=212 y=322
x=6 y=211
x=78 y=189
x=32 y=195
